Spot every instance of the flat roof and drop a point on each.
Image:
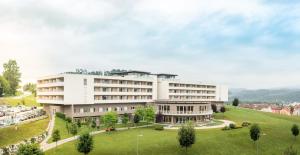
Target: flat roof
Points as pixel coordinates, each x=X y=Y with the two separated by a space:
x=164 y=74
x=123 y=73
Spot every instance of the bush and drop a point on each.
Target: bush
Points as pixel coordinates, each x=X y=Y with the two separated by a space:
x=159 y=127
x=60 y=115
x=245 y=124
x=226 y=128
x=68 y=119
x=232 y=126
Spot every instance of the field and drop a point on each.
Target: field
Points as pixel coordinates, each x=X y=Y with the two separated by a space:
x=10 y=135
x=275 y=139
x=14 y=101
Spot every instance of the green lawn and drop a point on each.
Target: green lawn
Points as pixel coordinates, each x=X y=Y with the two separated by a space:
x=28 y=101
x=10 y=135
x=277 y=136
x=60 y=124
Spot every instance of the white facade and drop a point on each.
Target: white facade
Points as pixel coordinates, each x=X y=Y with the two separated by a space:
x=134 y=88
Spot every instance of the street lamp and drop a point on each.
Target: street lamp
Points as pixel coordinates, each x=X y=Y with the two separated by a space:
x=137 y=143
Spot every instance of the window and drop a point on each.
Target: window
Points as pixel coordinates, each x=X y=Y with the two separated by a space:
x=85 y=82
x=100 y=109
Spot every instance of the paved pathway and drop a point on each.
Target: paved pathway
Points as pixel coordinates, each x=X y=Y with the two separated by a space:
x=49 y=130
x=225 y=123
x=45 y=146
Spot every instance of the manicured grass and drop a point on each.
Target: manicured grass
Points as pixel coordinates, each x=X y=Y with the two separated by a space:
x=28 y=101
x=60 y=124
x=275 y=139
x=10 y=135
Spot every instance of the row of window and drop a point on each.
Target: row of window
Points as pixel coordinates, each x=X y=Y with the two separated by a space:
x=111 y=89
x=190 y=85
x=125 y=82
x=183 y=109
x=53 y=80
x=190 y=97
x=101 y=109
x=123 y=97
x=191 y=91
x=51 y=89
x=51 y=97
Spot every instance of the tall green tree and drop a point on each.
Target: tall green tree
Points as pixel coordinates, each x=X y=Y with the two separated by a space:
x=141 y=112
x=4 y=87
x=125 y=120
x=73 y=129
x=186 y=135
x=85 y=143
x=235 y=102
x=255 y=134
x=110 y=119
x=31 y=87
x=29 y=149
x=11 y=72
x=149 y=114
x=295 y=130
x=56 y=136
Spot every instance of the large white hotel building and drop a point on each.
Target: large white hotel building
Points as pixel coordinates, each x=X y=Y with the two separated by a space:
x=84 y=95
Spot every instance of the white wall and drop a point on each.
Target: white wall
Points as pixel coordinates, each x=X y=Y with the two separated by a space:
x=222 y=93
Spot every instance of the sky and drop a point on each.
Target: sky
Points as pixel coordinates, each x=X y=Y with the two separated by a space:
x=250 y=44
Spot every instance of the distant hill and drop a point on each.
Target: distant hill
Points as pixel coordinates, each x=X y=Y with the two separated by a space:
x=266 y=95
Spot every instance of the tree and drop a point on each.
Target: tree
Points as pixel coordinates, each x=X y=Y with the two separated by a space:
x=292 y=109
x=93 y=125
x=11 y=73
x=295 y=130
x=186 y=135
x=73 y=129
x=235 y=102
x=141 y=112
x=255 y=134
x=56 y=136
x=31 y=87
x=79 y=123
x=136 y=119
x=214 y=107
x=29 y=149
x=149 y=114
x=125 y=119
x=4 y=87
x=85 y=143
x=110 y=119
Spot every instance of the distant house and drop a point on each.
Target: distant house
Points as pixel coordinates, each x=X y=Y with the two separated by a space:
x=266 y=109
x=296 y=110
x=285 y=111
x=276 y=110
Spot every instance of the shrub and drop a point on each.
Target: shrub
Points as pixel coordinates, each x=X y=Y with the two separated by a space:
x=226 y=128
x=245 y=124
x=232 y=126
x=159 y=127
x=69 y=119
x=60 y=115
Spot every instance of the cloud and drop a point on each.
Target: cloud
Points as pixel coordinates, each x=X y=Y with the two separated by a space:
x=250 y=44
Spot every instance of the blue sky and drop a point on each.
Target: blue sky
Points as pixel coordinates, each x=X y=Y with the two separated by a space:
x=243 y=44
